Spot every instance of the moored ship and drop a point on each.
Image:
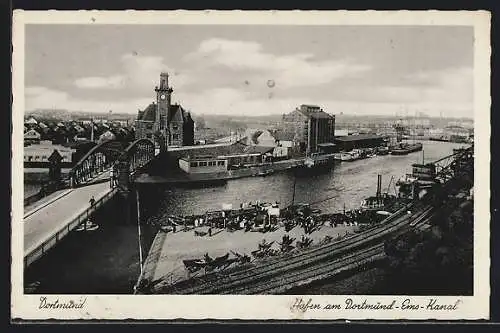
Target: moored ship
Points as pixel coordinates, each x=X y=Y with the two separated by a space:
x=406 y=148
x=383 y=150
x=316 y=160
x=348 y=156
x=380 y=201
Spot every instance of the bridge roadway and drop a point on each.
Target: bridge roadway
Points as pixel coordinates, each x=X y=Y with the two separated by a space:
x=51 y=218
x=62 y=212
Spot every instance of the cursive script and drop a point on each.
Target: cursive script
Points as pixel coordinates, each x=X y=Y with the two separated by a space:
x=374 y=305
x=57 y=304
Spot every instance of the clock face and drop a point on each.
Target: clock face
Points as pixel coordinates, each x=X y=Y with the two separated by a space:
x=162 y=96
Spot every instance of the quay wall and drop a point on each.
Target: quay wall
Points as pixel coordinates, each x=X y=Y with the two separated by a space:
x=182 y=177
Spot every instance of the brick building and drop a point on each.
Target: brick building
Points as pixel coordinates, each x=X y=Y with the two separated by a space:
x=312 y=127
x=166 y=123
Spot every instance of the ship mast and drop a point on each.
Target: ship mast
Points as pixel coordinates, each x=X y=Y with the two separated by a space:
x=316 y=139
x=92 y=129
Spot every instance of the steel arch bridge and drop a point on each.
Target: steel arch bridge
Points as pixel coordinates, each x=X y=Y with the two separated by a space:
x=105 y=154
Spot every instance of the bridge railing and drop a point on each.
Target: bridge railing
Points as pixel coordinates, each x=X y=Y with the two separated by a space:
x=40 y=250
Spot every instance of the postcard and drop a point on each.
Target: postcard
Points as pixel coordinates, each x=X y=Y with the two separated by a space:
x=288 y=165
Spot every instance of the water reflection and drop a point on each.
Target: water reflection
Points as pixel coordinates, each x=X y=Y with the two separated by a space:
x=347 y=184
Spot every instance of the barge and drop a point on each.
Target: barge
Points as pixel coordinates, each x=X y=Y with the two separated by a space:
x=406 y=148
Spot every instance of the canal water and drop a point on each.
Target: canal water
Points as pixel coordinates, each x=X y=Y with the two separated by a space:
x=347 y=184
x=30 y=189
x=106 y=261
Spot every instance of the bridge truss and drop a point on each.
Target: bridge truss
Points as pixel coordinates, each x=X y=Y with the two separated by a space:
x=105 y=154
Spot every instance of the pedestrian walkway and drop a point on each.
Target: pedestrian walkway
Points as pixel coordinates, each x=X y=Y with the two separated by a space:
x=44 y=222
x=30 y=209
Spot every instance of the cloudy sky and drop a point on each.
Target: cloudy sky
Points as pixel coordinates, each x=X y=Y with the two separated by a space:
x=247 y=70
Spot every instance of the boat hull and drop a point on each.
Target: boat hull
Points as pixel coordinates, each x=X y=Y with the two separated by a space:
x=407 y=150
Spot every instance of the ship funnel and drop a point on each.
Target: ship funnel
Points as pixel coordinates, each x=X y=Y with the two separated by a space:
x=379 y=185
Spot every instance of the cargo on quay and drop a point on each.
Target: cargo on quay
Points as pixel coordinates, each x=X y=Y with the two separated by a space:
x=328 y=192
x=317 y=253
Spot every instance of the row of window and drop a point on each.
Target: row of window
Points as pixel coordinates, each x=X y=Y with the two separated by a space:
x=174 y=137
x=32 y=158
x=150 y=126
x=204 y=164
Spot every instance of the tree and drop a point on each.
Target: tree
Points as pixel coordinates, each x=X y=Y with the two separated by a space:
x=200 y=122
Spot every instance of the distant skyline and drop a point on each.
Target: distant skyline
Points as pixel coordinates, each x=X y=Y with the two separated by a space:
x=252 y=70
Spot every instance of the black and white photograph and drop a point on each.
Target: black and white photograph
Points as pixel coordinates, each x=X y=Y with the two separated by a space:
x=324 y=159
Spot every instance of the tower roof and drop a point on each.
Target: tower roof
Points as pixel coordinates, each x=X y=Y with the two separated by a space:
x=313 y=111
x=149 y=113
x=176 y=113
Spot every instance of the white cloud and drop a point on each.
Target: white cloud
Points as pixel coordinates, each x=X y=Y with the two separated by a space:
x=451 y=84
x=448 y=90
x=45 y=98
x=293 y=70
x=235 y=102
x=95 y=82
x=140 y=73
x=42 y=97
x=228 y=101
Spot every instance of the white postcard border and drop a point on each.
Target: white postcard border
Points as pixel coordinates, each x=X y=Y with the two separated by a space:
x=259 y=307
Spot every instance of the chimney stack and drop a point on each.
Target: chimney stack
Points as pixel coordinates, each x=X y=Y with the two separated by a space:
x=379 y=186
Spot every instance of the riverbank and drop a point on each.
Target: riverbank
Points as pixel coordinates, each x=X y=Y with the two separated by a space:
x=38 y=175
x=180 y=178
x=106 y=261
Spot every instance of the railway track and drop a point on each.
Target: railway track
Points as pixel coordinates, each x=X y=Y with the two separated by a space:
x=284 y=272
x=216 y=284
x=304 y=276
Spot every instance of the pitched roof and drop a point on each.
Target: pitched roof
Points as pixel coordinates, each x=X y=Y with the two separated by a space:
x=257 y=149
x=313 y=111
x=176 y=113
x=320 y=115
x=284 y=135
x=32 y=132
x=229 y=150
x=256 y=135
x=149 y=113
x=55 y=156
x=234 y=149
x=187 y=116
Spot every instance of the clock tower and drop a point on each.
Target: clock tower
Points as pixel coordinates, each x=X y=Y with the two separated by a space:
x=163 y=100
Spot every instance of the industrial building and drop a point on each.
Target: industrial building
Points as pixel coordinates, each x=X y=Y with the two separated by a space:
x=350 y=142
x=311 y=126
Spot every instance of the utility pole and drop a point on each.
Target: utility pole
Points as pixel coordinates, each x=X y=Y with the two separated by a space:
x=92 y=129
x=139 y=228
x=294 y=184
